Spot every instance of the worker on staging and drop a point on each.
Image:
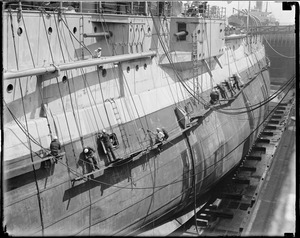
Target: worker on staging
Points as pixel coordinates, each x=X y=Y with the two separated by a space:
x=221 y=90
x=55 y=147
x=236 y=81
x=108 y=146
x=229 y=86
x=90 y=157
x=161 y=135
x=98 y=52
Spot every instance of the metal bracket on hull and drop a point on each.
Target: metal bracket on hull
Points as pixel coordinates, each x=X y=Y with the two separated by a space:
x=207 y=67
x=217 y=60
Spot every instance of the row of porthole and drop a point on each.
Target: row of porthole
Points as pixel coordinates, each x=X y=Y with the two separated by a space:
x=20 y=30
x=10 y=87
x=136 y=67
x=50 y=30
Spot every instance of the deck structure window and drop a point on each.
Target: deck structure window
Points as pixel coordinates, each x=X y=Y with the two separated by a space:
x=181 y=27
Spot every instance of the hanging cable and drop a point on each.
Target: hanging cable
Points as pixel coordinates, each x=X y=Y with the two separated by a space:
x=26 y=122
x=39 y=88
x=274 y=95
x=86 y=83
x=57 y=83
x=73 y=110
x=249 y=110
x=71 y=33
x=201 y=171
x=188 y=89
x=123 y=75
x=188 y=177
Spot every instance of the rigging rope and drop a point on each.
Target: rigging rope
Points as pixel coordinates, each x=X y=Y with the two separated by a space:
x=26 y=122
x=223 y=157
x=57 y=83
x=73 y=110
x=212 y=164
x=103 y=100
x=39 y=88
x=71 y=33
x=177 y=181
x=124 y=77
x=171 y=91
x=201 y=171
x=176 y=73
x=85 y=82
x=165 y=34
x=274 y=95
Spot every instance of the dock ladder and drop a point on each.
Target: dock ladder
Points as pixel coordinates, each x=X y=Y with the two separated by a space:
x=119 y=121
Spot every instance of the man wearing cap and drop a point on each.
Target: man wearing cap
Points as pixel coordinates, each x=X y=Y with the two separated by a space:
x=89 y=155
x=108 y=145
x=236 y=81
x=98 y=52
x=161 y=135
x=55 y=146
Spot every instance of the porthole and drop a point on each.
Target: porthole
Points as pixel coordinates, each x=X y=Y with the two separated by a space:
x=19 y=31
x=128 y=69
x=199 y=31
x=95 y=29
x=74 y=30
x=9 y=88
x=64 y=79
x=104 y=72
x=145 y=66
x=136 y=67
x=50 y=30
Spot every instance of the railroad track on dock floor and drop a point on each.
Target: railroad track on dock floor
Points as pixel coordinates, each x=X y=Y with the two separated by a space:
x=233 y=200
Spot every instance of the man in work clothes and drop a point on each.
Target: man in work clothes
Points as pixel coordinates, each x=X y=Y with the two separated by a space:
x=108 y=146
x=222 y=90
x=89 y=155
x=55 y=147
x=236 y=81
x=160 y=136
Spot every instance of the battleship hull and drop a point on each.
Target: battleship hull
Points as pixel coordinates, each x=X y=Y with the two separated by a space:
x=152 y=183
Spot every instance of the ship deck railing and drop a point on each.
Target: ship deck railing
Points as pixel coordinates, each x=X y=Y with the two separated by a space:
x=161 y=8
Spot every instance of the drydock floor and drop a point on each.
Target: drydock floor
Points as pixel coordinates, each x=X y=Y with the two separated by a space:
x=266 y=205
x=274 y=213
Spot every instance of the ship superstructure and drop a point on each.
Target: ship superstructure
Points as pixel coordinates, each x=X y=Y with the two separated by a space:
x=72 y=70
